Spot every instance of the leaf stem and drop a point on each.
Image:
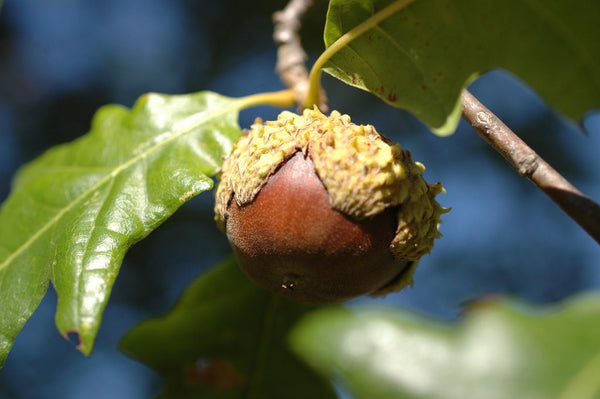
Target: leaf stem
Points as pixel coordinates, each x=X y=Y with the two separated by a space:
x=529 y=164
x=282 y=98
x=263 y=346
x=314 y=78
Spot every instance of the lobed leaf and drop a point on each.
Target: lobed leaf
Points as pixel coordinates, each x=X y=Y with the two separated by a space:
x=225 y=338
x=75 y=210
x=499 y=351
x=421 y=57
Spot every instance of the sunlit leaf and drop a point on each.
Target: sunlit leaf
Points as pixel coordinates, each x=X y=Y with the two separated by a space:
x=225 y=338
x=75 y=210
x=501 y=350
x=421 y=57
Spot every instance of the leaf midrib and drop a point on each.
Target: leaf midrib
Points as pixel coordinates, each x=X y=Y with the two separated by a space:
x=263 y=346
x=119 y=169
x=584 y=384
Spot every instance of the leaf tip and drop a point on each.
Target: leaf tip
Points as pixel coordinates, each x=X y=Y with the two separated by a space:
x=75 y=337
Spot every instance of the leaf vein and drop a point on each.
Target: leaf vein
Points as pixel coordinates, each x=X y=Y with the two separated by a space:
x=125 y=165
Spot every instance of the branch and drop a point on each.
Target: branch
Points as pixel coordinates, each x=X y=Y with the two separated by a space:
x=528 y=163
x=291 y=57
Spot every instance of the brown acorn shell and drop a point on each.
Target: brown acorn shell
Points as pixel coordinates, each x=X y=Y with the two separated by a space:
x=290 y=240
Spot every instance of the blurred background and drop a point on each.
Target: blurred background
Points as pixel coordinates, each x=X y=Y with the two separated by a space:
x=60 y=60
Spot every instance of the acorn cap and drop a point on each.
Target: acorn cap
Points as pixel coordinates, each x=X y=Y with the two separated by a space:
x=363 y=174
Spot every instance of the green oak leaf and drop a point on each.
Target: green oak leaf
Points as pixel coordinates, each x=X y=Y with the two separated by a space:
x=226 y=338
x=422 y=56
x=74 y=211
x=501 y=350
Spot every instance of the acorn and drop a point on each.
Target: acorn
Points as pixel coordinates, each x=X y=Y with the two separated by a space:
x=321 y=210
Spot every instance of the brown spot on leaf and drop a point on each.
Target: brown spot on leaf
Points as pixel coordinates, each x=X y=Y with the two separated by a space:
x=392 y=97
x=74 y=337
x=215 y=373
x=381 y=89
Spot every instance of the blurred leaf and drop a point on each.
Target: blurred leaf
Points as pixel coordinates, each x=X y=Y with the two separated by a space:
x=225 y=339
x=421 y=57
x=75 y=210
x=499 y=351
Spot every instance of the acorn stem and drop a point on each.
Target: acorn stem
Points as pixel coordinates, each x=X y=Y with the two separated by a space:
x=282 y=98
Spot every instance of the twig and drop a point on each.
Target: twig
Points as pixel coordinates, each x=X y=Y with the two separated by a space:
x=291 y=57
x=528 y=163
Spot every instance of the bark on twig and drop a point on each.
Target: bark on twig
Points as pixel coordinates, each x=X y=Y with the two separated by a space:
x=529 y=164
x=291 y=57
